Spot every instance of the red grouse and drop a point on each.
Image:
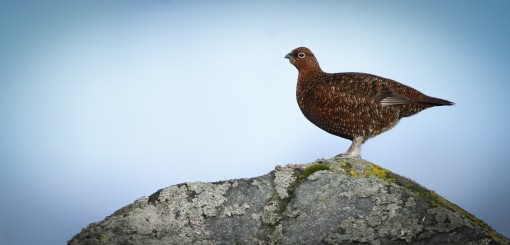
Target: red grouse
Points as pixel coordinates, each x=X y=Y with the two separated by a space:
x=354 y=106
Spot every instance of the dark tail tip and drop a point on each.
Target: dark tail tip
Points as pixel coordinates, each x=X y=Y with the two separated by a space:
x=436 y=102
x=446 y=102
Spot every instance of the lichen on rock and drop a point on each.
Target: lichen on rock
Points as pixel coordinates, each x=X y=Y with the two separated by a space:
x=335 y=201
x=283 y=180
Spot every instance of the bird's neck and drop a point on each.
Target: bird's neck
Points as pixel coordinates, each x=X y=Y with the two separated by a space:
x=310 y=72
x=307 y=81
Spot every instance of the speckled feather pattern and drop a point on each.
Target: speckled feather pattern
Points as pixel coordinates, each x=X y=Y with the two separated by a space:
x=353 y=105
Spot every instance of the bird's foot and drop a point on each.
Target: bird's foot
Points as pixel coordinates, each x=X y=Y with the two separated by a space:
x=347 y=155
x=355 y=149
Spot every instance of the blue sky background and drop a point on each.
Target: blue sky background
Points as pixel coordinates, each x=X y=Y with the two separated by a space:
x=101 y=104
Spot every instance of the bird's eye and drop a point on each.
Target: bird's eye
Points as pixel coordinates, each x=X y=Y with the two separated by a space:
x=301 y=55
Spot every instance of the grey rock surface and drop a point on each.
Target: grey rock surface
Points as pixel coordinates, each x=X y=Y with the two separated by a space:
x=329 y=201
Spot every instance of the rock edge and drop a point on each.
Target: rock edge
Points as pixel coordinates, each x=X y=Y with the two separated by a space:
x=329 y=201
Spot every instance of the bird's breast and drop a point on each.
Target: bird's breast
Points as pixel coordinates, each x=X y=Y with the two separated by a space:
x=341 y=113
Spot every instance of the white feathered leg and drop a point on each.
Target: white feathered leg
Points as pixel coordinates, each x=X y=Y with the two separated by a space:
x=355 y=150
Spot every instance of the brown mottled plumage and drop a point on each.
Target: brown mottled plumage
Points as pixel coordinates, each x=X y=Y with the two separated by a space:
x=354 y=106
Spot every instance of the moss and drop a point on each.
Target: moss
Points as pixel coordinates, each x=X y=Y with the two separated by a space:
x=312 y=169
x=370 y=170
x=347 y=167
x=277 y=204
x=305 y=173
x=434 y=199
x=380 y=172
x=438 y=200
x=105 y=238
x=301 y=175
x=497 y=237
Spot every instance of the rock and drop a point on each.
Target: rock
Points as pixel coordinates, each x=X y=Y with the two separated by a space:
x=330 y=201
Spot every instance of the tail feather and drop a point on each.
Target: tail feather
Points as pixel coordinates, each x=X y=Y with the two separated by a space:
x=435 y=102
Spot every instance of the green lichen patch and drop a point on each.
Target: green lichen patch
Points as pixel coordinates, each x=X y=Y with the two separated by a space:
x=374 y=170
x=367 y=169
x=497 y=237
x=105 y=238
x=348 y=169
x=441 y=201
x=307 y=172
x=301 y=175
x=312 y=169
x=287 y=180
x=437 y=201
x=352 y=168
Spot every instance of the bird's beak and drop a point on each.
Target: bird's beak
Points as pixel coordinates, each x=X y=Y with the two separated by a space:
x=291 y=59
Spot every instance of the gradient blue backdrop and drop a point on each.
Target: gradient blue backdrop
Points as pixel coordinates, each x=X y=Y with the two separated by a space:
x=103 y=103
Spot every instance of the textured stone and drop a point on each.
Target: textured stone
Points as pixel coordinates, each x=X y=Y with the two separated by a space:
x=353 y=202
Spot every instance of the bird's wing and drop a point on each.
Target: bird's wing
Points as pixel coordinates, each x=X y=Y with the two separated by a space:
x=368 y=88
x=341 y=100
x=388 y=97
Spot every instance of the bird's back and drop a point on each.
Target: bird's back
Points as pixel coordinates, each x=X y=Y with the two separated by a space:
x=386 y=91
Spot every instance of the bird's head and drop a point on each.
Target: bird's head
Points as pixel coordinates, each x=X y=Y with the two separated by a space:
x=303 y=59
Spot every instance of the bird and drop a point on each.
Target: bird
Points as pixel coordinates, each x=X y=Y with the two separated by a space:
x=353 y=105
